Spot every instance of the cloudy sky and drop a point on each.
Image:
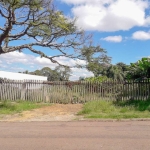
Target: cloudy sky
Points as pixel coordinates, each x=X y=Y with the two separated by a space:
x=119 y=26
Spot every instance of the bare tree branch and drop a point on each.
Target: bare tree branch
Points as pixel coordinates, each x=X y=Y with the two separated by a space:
x=46 y=27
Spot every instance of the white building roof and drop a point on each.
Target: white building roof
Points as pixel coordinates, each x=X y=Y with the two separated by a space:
x=21 y=76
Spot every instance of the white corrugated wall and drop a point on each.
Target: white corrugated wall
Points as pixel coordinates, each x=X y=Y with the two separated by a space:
x=21 y=76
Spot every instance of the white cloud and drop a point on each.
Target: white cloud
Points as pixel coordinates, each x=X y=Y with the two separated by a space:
x=93 y=2
x=15 y=62
x=141 y=35
x=115 y=39
x=78 y=72
x=109 y=15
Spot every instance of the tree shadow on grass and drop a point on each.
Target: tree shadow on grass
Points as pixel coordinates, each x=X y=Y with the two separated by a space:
x=139 y=105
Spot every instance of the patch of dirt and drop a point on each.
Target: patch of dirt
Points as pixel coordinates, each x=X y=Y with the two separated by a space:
x=56 y=112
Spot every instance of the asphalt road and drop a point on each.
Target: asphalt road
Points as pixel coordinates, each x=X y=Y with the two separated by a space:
x=78 y=135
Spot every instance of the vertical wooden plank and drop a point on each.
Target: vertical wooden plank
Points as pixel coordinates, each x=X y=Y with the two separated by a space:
x=148 y=82
x=5 y=98
x=0 y=90
x=139 y=87
x=13 y=84
x=39 y=91
x=103 y=92
x=125 y=90
x=36 y=90
x=6 y=87
x=129 y=90
x=121 y=82
x=139 y=95
x=58 y=88
x=85 y=92
x=77 y=93
x=91 y=90
x=147 y=89
x=97 y=91
x=8 y=90
x=113 y=89
x=88 y=91
x=133 y=90
x=143 y=89
x=91 y=87
x=13 y=89
x=16 y=87
x=136 y=89
x=102 y=97
x=31 y=94
x=55 y=89
x=31 y=91
x=27 y=90
x=107 y=85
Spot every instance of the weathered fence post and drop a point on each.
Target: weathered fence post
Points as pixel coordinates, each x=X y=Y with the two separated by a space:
x=46 y=96
x=23 y=91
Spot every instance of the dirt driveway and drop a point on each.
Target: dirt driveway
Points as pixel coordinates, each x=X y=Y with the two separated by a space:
x=56 y=112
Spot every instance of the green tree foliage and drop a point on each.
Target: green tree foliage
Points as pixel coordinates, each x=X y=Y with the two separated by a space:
x=96 y=79
x=116 y=72
x=140 y=69
x=43 y=28
x=123 y=67
x=97 y=59
x=64 y=73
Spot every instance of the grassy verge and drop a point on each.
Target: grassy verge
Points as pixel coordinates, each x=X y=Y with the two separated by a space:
x=116 y=110
x=8 y=107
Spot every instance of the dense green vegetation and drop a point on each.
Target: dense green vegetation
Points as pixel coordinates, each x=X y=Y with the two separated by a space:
x=116 y=110
x=9 y=107
x=120 y=71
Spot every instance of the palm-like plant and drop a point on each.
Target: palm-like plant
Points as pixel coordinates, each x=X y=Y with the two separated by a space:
x=115 y=73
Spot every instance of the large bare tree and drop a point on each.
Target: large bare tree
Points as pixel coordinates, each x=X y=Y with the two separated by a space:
x=41 y=26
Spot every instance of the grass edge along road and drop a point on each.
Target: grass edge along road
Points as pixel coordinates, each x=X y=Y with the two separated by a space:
x=9 y=107
x=116 y=110
x=95 y=109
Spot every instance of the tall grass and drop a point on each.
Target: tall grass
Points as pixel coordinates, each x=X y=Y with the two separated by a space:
x=116 y=110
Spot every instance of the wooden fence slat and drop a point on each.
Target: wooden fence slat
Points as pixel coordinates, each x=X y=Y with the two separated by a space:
x=74 y=92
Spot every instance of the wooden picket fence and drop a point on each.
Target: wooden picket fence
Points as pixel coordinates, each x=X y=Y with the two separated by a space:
x=74 y=92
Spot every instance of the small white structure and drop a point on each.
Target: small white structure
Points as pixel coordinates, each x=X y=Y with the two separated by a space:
x=21 y=76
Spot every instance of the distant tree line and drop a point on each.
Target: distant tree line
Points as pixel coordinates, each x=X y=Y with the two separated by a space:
x=58 y=74
x=102 y=71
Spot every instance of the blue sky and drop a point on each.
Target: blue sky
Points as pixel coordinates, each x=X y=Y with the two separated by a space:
x=121 y=27
x=125 y=33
